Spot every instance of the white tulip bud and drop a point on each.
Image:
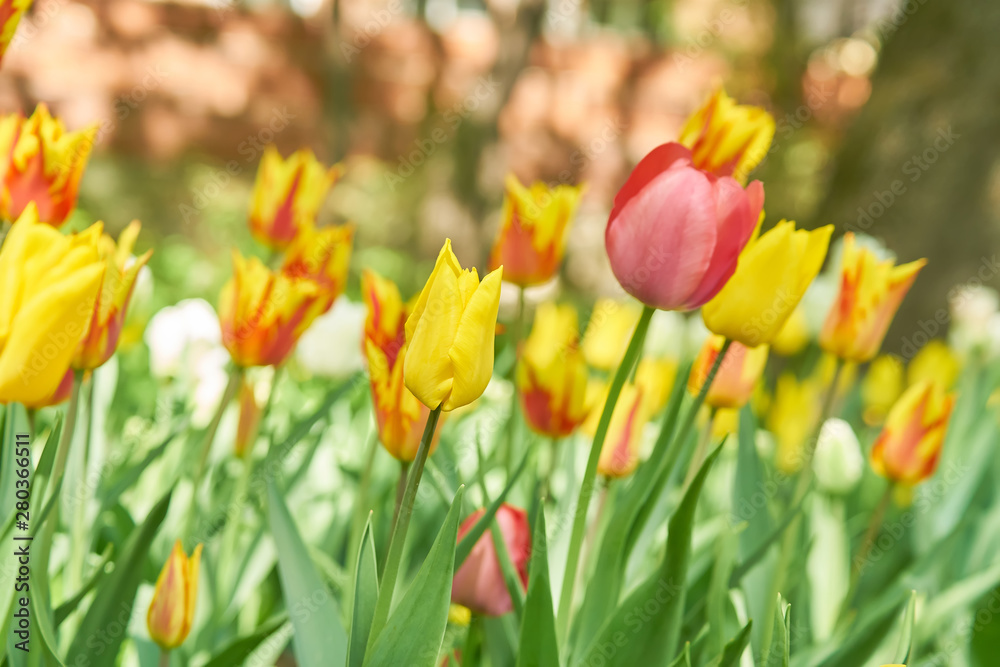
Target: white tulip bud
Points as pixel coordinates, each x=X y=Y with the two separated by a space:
x=838 y=462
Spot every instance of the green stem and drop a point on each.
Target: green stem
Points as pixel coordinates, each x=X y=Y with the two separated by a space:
x=398 y=539
x=78 y=551
x=702 y=447
x=164 y=658
x=546 y=484
x=866 y=543
x=206 y=446
x=589 y=476
x=516 y=333
x=404 y=468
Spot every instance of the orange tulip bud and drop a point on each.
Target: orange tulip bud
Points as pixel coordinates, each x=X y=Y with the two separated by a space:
x=323 y=255
x=44 y=166
x=263 y=312
x=737 y=375
x=870 y=293
x=909 y=446
x=532 y=237
x=171 y=612
x=287 y=195
x=250 y=414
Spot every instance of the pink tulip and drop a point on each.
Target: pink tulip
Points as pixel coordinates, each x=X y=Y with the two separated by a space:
x=676 y=232
x=479 y=583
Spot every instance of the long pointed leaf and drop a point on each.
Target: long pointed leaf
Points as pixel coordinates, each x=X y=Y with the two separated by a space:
x=365 y=597
x=539 y=646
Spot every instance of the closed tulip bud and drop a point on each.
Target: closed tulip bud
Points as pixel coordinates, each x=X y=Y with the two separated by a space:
x=935 y=360
x=322 y=255
x=263 y=313
x=479 y=583
x=171 y=613
x=61 y=394
x=837 y=462
x=728 y=139
x=794 y=334
x=250 y=414
x=120 y=273
x=45 y=165
x=636 y=406
x=398 y=413
x=737 y=376
x=449 y=358
x=883 y=384
x=676 y=232
x=909 y=446
x=870 y=293
x=50 y=284
x=287 y=195
x=10 y=15
x=791 y=416
x=773 y=274
x=608 y=332
x=552 y=374
x=532 y=237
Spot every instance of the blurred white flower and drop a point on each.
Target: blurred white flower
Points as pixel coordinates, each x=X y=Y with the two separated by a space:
x=666 y=335
x=695 y=336
x=178 y=335
x=209 y=378
x=838 y=462
x=331 y=346
x=974 y=313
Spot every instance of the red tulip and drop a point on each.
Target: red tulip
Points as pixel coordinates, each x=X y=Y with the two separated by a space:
x=479 y=583
x=676 y=232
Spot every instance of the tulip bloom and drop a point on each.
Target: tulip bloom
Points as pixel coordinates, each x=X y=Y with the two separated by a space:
x=791 y=416
x=10 y=15
x=532 y=237
x=794 y=334
x=171 y=612
x=728 y=139
x=737 y=376
x=676 y=232
x=44 y=165
x=50 y=284
x=322 y=255
x=552 y=374
x=398 y=413
x=250 y=414
x=479 y=583
x=934 y=360
x=449 y=358
x=870 y=293
x=636 y=405
x=773 y=274
x=263 y=313
x=287 y=195
x=909 y=446
x=608 y=332
x=106 y=322
x=883 y=384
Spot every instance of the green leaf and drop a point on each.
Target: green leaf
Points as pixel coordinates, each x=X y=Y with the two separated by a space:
x=780 y=638
x=539 y=647
x=684 y=659
x=510 y=576
x=906 y=631
x=470 y=538
x=238 y=650
x=655 y=641
x=70 y=605
x=415 y=629
x=365 y=596
x=717 y=600
x=115 y=597
x=319 y=638
x=734 y=649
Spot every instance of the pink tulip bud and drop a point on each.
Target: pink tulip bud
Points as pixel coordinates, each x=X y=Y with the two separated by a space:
x=479 y=583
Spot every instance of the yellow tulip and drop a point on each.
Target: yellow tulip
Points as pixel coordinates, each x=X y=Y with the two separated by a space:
x=10 y=15
x=608 y=332
x=935 y=360
x=792 y=415
x=45 y=165
x=551 y=374
x=50 y=284
x=773 y=273
x=287 y=195
x=171 y=613
x=737 y=376
x=532 y=237
x=793 y=336
x=908 y=449
x=263 y=313
x=881 y=387
x=870 y=293
x=657 y=376
x=323 y=255
x=449 y=359
x=728 y=139
x=120 y=272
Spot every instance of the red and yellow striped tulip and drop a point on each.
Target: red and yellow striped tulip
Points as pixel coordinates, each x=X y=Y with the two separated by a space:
x=908 y=449
x=449 y=334
x=870 y=293
x=636 y=405
x=728 y=139
x=532 y=237
x=11 y=12
x=50 y=284
x=737 y=375
x=398 y=413
x=263 y=312
x=250 y=414
x=171 y=613
x=323 y=255
x=120 y=272
x=44 y=165
x=287 y=195
x=552 y=373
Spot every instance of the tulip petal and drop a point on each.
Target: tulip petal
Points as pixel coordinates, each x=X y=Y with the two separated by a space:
x=657 y=161
x=471 y=352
